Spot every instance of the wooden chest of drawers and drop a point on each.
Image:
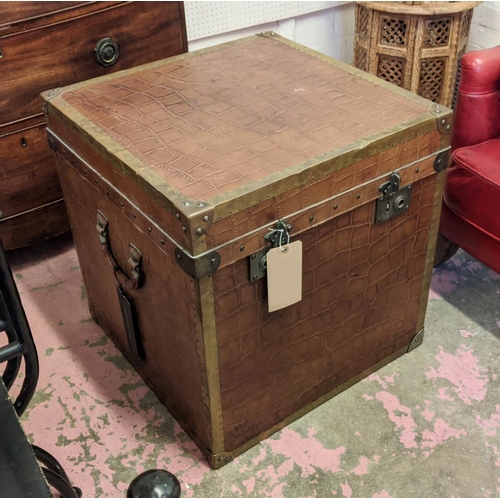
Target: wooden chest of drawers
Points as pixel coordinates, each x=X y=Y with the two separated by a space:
x=51 y=44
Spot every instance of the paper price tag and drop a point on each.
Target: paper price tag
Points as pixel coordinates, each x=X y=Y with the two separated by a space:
x=284 y=275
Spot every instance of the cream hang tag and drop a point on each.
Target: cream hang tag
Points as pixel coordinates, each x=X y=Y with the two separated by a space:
x=284 y=275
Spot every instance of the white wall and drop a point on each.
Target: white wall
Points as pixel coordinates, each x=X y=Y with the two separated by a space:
x=328 y=27
x=485 y=27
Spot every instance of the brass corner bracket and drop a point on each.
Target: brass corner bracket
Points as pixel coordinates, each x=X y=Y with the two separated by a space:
x=197 y=267
x=417 y=341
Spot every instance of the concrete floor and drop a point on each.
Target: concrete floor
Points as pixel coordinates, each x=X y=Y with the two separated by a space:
x=427 y=425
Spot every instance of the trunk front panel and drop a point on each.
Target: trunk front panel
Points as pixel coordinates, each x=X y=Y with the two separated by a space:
x=362 y=287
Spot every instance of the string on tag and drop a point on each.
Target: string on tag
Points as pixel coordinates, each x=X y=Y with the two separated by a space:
x=282 y=248
x=280 y=241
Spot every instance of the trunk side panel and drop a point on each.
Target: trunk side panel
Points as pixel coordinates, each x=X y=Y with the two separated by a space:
x=167 y=305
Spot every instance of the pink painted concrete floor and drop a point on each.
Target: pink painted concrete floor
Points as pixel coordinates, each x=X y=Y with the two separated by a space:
x=427 y=425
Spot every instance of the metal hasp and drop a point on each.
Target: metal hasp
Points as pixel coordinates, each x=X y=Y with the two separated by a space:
x=134 y=261
x=417 y=341
x=393 y=201
x=258 y=261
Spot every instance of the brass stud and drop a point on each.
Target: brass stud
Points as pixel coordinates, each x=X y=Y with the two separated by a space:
x=162 y=242
x=201 y=204
x=121 y=203
x=187 y=203
x=443 y=121
x=335 y=207
x=417 y=170
x=149 y=229
x=242 y=248
x=212 y=261
x=206 y=218
x=178 y=215
x=448 y=127
x=179 y=256
x=254 y=277
x=199 y=231
x=184 y=228
x=134 y=216
x=253 y=256
x=311 y=218
x=358 y=196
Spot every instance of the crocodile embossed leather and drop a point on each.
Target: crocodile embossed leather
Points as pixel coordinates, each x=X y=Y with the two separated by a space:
x=216 y=122
x=203 y=163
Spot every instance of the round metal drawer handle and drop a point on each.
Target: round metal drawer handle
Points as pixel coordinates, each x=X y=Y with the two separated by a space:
x=106 y=52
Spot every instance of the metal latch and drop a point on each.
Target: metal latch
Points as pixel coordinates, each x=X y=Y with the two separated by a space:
x=277 y=237
x=393 y=201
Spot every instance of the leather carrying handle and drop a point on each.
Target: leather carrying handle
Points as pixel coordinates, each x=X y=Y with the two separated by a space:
x=136 y=279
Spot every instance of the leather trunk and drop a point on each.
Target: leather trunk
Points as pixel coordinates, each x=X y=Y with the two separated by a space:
x=175 y=172
x=52 y=44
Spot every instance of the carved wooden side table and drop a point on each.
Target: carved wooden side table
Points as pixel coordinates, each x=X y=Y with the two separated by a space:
x=415 y=45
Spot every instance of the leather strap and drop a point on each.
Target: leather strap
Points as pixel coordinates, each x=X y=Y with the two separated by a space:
x=136 y=279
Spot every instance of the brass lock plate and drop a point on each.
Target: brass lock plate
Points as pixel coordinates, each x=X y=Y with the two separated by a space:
x=393 y=201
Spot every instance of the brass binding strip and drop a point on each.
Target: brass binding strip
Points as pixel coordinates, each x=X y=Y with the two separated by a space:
x=431 y=247
x=209 y=358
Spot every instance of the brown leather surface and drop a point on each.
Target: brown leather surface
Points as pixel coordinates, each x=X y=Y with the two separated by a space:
x=168 y=325
x=222 y=119
x=128 y=192
x=250 y=243
x=299 y=198
x=361 y=292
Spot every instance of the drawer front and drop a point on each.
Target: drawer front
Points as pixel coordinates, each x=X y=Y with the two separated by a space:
x=63 y=53
x=22 y=12
x=28 y=177
x=31 y=227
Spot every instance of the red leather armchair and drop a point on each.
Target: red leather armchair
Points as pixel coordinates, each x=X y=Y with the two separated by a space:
x=471 y=210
